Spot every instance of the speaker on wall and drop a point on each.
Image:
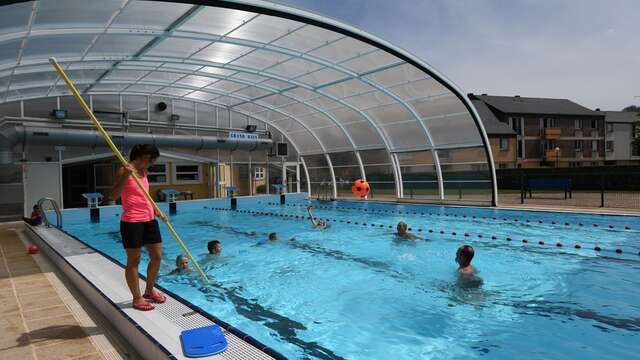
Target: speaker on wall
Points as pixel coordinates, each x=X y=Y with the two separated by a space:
x=281 y=149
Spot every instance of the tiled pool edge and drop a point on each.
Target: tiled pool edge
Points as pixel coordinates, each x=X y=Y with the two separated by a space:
x=102 y=303
x=68 y=268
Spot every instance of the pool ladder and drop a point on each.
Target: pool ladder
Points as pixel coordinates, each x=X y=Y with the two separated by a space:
x=55 y=207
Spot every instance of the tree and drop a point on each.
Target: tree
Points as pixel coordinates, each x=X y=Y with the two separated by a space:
x=632 y=108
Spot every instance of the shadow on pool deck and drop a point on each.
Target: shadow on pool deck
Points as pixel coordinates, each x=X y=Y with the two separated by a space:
x=41 y=316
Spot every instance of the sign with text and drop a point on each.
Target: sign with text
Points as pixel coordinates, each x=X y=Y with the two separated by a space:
x=242 y=136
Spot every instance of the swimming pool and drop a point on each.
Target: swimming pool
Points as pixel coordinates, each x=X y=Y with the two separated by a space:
x=352 y=291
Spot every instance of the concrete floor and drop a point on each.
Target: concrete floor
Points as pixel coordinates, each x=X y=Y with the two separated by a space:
x=41 y=315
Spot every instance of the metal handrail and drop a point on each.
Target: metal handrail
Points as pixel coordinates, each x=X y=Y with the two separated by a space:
x=55 y=207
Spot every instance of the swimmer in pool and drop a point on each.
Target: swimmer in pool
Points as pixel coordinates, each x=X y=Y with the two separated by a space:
x=182 y=266
x=214 y=247
x=464 y=255
x=273 y=236
x=317 y=224
x=402 y=232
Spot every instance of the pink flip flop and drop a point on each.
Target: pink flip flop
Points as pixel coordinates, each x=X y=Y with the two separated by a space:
x=156 y=297
x=145 y=306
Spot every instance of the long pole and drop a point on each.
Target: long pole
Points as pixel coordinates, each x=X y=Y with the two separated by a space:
x=124 y=162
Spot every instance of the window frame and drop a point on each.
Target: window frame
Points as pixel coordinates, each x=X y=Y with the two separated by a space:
x=506 y=141
x=174 y=173
x=578 y=146
x=165 y=173
x=259 y=170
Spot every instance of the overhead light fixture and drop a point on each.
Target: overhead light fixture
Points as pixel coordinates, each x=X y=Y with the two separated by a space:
x=250 y=128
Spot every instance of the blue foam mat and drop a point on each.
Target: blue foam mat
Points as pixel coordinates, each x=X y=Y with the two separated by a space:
x=204 y=341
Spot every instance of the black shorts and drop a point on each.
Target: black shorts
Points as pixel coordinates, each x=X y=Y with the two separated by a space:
x=136 y=234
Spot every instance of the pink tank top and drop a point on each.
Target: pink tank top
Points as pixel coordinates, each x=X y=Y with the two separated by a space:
x=135 y=206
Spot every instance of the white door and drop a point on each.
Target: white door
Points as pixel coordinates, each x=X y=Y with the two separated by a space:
x=41 y=179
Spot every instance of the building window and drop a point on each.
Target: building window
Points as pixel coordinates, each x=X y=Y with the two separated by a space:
x=578 y=124
x=609 y=145
x=574 y=164
x=187 y=174
x=504 y=144
x=594 y=124
x=503 y=166
x=578 y=145
x=157 y=174
x=609 y=127
x=549 y=123
x=594 y=163
x=258 y=173
x=594 y=145
x=443 y=154
x=515 y=124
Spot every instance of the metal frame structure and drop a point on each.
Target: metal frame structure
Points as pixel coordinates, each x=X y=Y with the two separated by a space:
x=277 y=79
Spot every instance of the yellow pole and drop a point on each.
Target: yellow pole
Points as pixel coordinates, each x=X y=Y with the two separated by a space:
x=115 y=150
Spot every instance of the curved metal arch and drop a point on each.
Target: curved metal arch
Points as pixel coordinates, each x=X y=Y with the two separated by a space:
x=349 y=31
x=333 y=25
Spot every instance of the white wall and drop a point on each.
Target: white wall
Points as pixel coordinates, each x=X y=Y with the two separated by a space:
x=40 y=179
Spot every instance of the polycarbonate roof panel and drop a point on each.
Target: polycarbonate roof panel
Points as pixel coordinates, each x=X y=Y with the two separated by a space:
x=65 y=14
x=221 y=52
x=327 y=88
x=217 y=21
x=108 y=45
x=9 y=51
x=178 y=47
x=343 y=49
x=265 y=29
x=260 y=59
x=145 y=14
x=307 y=38
x=15 y=17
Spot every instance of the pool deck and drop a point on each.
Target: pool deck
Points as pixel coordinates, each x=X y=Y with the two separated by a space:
x=42 y=315
x=153 y=334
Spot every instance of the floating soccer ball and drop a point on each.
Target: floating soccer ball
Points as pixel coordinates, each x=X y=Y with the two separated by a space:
x=360 y=188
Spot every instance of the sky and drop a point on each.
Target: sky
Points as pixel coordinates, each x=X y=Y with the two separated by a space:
x=587 y=51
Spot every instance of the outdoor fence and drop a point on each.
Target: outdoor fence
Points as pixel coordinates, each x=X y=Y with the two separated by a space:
x=590 y=187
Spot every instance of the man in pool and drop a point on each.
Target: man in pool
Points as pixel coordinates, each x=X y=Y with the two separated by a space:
x=273 y=236
x=214 y=247
x=182 y=265
x=317 y=224
x=402 y=232
x=464 y=255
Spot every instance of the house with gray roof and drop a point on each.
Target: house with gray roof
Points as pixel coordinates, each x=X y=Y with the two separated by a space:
x=548 y=132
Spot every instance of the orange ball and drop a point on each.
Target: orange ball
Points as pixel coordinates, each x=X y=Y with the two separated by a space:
x=360 y=188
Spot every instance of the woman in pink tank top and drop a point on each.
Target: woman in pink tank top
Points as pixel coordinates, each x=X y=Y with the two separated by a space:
x=138 y=225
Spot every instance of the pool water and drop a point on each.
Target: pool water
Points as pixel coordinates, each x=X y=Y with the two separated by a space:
x=354 y=291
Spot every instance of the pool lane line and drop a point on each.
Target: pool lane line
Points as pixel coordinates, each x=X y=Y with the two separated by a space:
x=453 y=233
x=421 y=213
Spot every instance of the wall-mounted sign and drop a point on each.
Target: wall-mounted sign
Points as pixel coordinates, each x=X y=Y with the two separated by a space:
x=242 y=136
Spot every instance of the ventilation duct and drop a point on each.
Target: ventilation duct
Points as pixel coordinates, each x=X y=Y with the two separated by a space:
x=73 y=137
